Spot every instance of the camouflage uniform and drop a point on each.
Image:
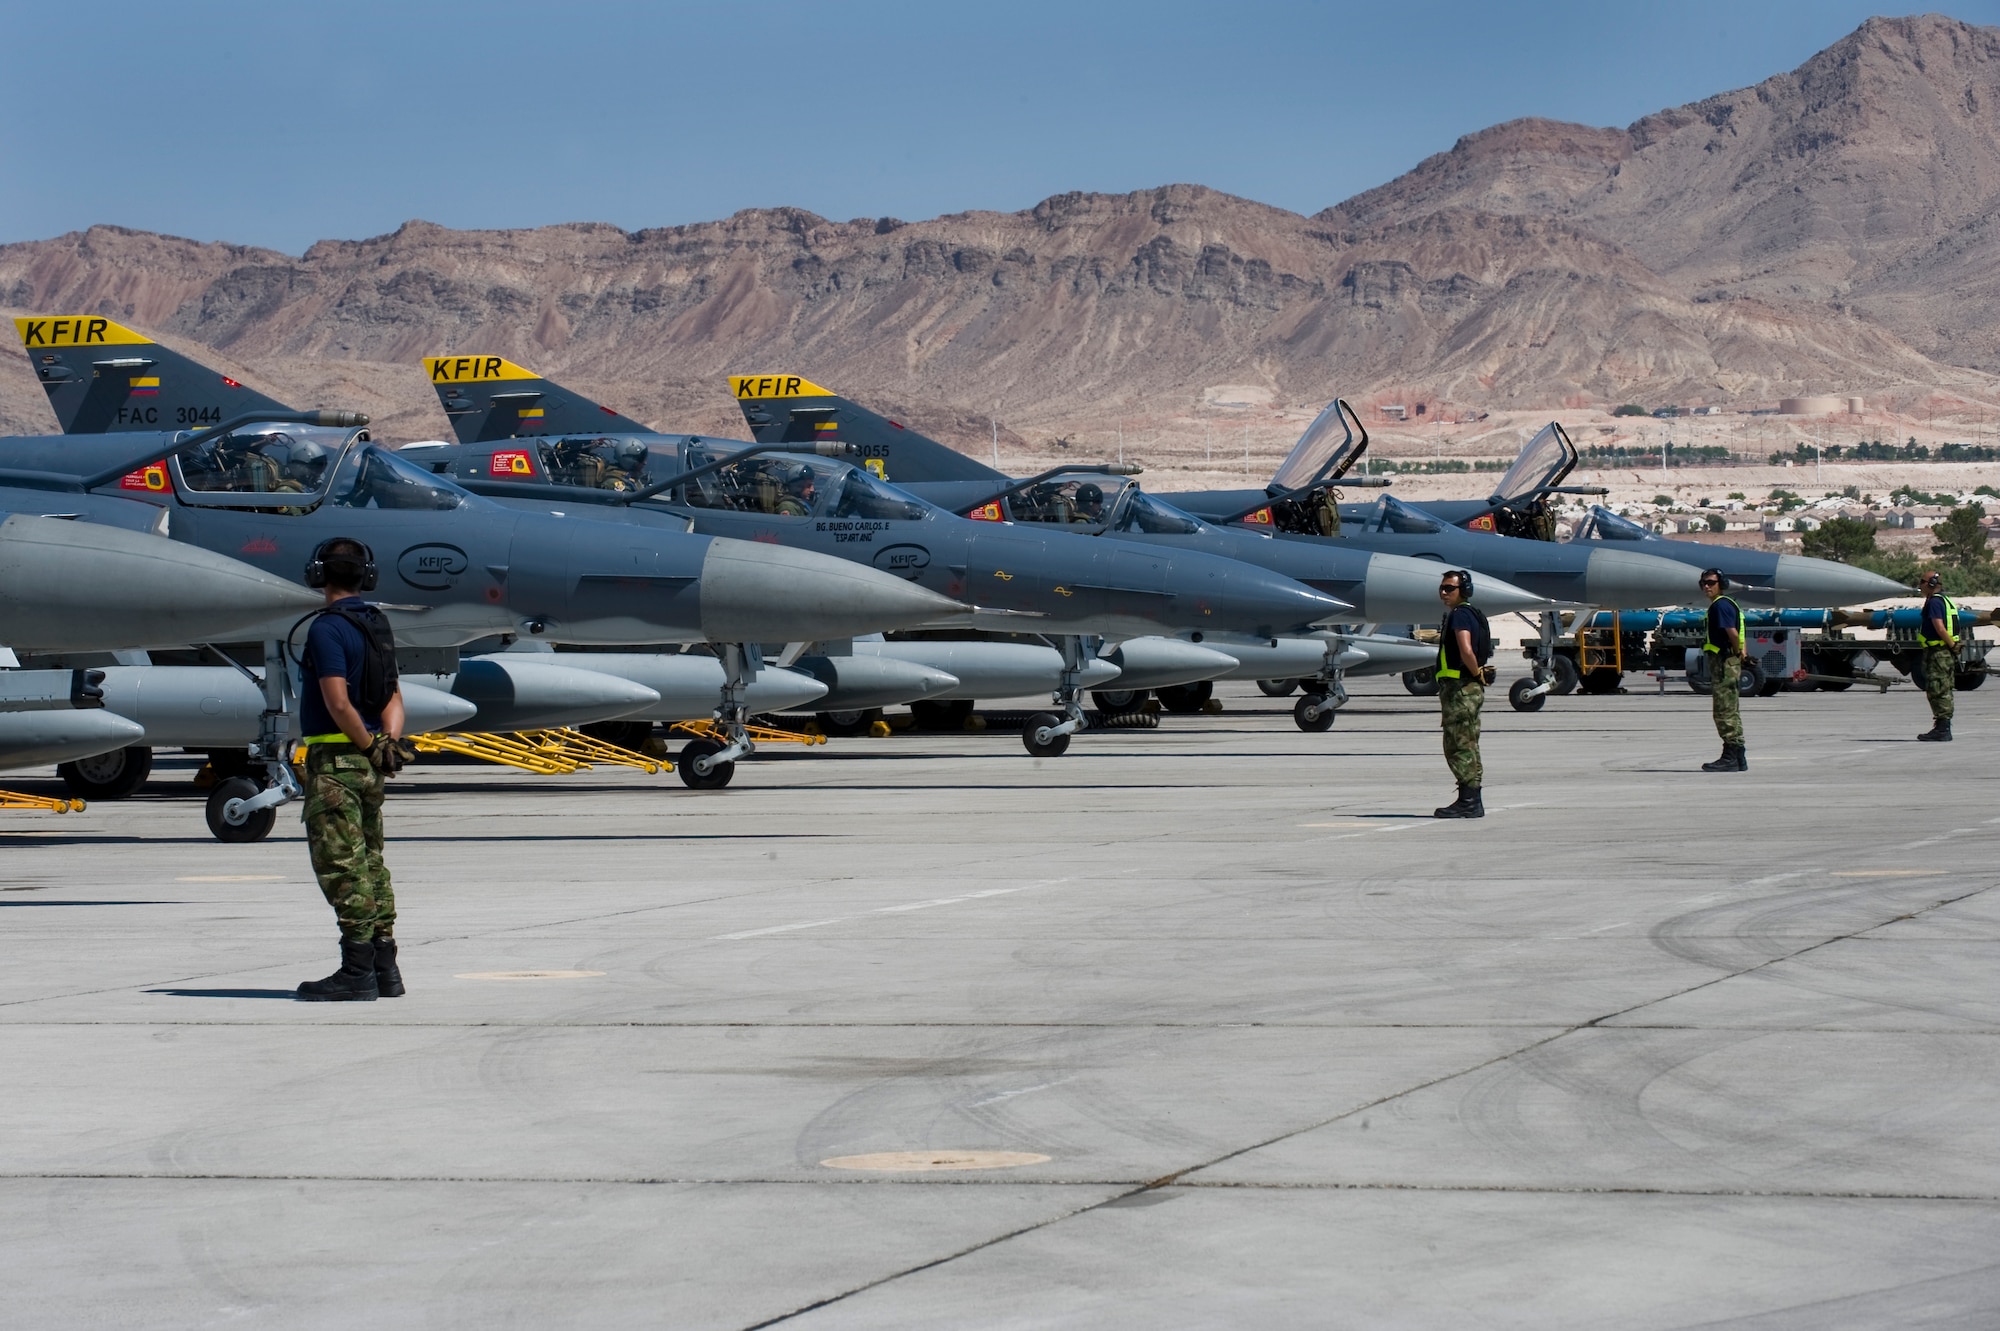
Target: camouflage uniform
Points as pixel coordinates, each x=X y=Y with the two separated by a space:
x=343 y=818
x=1724 y=702
x=1459 y=702
x=1940 y=668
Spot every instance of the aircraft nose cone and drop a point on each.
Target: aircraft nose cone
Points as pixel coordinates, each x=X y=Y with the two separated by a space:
x=83 y=586
x=752 y=592
x=1270 y=604
x=1401 y=590
x=1804 y=581
x=1623 y=580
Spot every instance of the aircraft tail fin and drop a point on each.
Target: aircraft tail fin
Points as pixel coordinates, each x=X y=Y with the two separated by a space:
x=787 y=409
x=104 y=378
x=490 y=397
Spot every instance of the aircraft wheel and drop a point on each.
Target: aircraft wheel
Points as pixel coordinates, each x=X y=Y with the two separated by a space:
x=1564 y=675
x=1321 y=720
x=1187 y=699
x=1967 y=680
x=948 y=715
x=1600 y=681
x=846 y=725
x=108 y=776
x=1422 y=683
x=718 y=776
x=1749 y=680
x=1113 y=701
x=254 y=828
x=625 y=734
x=1055 y=747
x=1518 y=699
x=1276 y=688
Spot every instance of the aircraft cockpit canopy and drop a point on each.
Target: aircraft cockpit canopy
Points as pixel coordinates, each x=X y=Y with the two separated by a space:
x=1603 y=525
x=373 y=477
x=264 y=459
x=782 y=485
x=1393 y=515
x=1327 y=449
x=600 y=462
x=1543 y=461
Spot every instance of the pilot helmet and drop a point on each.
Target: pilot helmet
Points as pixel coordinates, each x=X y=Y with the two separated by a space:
x=630 y=454
x=306 y=461
x=1088 y=495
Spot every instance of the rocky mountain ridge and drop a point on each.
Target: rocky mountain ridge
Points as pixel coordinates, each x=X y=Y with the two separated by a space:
x=1826 y=229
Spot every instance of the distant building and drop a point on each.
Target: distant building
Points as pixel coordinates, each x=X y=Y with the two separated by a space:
x=1396 y=411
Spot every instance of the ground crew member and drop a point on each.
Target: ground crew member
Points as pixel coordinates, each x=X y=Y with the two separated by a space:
x=1937 y=634
x=1464 y=644
x=351 y=718
x=1724 y=650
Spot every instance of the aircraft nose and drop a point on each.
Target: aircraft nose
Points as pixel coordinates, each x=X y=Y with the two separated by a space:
x=1624 y=580
x=1402 y=590
x=1270 y=604
x=752 y=592
x=81 y=586
x=1805 y=581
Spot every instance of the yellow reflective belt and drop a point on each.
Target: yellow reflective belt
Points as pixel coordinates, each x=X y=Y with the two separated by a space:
x=326 y=739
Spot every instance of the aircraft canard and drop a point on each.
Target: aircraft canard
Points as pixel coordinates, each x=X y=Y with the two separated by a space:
x=474 y=369
x=750 y=386
x=75 y=330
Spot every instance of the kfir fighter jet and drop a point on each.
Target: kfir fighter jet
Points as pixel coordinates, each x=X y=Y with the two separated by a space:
x=1074 y=591
x=456 y=568
x=1384 y=587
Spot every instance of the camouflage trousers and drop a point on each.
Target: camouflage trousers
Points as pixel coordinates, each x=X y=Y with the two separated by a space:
x=1459 y=701
x=343 y=818
x=1940 y=680
x=1723 y=699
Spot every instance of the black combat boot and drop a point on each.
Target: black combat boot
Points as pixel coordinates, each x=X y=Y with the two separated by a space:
x=1726 y=763
x=1742 y=759
x=1468 y=805
x=1939 y=733
x=388 y=977
x=353 y=982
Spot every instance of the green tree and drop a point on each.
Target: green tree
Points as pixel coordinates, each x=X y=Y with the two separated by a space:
x=1841 y=539
x=1716 y=522
x=1961 y=541
x=1630 y=409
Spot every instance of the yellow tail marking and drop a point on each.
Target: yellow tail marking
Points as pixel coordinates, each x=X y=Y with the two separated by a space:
x=775 y=385
x=474 y=369
x=76 y=330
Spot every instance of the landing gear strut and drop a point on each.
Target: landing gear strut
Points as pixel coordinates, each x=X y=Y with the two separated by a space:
x=1046 y=735
x=1325 y=693
x=1528 y=695
x=709 y=764
x=245 y=808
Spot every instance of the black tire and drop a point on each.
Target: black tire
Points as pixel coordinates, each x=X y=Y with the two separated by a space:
x=1276 y=688
x=1563 y=672
x=846 y=725
x=1836 y=685
x=949 y=715
x=1186 y=699
x=1750 y=680
x=717 y=778
x=1770 y=688
x=1323 y=721
x=1422 y=683
x=625 y=734
x=1518 y=699
x=1113 y=701
x=1055 y=747
x=1967 y=680
x=108 y=776
x=254 y=828
x=1601 y=681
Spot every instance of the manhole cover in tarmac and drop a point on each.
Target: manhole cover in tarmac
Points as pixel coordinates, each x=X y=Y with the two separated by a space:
x=929 y=1160
x=527 y=975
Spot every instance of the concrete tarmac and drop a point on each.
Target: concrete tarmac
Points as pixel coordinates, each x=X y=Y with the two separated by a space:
x=1644 y=1048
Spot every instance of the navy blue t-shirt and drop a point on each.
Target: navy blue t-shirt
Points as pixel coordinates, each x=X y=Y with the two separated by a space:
x=334 y=646
x=1934 y=613
x=1723 y=613
x=1458 y=617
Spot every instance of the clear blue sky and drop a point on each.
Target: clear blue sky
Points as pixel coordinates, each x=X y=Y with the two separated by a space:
x=279 y=124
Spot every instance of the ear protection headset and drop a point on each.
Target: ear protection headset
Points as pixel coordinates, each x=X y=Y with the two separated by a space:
x=363 y=562
x=1721 y=578
x=1464 y=582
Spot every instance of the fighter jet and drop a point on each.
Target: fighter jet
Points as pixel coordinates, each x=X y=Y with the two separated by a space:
x=1052 y=583
x=1519 y=506
x=461 y=568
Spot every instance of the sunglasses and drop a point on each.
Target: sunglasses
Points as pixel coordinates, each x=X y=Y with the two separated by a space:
x=1710 y=582
x=1447 y=586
